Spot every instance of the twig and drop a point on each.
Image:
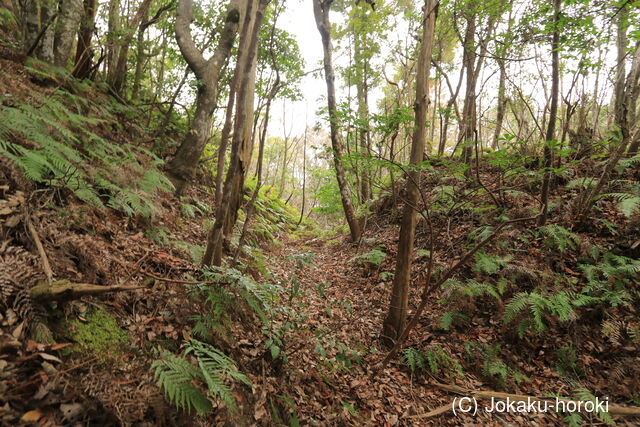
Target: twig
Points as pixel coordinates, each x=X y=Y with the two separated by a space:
x=43 y=255
x=434 y=413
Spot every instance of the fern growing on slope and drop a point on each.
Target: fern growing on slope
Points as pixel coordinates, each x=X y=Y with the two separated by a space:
x=558 y=237
x=183 y=382
x=534 y=308
x=55 y=146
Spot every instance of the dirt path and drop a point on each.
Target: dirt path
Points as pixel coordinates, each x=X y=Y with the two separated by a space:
x=330 y=354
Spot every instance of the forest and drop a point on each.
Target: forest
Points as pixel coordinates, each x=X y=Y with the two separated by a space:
x=319 y=212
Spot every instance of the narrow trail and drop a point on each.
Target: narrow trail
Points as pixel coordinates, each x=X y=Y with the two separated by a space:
x=336 y=345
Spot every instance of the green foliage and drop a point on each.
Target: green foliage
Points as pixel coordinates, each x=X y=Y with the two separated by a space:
x=490 y=264
x=628 y=203
x=226 y=293
x=374 y=257
x=535 y=307
x=55 y=145
x=449 y=318
x=195 y=251
x=558 y=237
x=584 y=395
x=612 y=279
x=493 y=368
x=182 y=381
x=567 y=361
x=473 y=289
x=435 y=358
x=581 y=183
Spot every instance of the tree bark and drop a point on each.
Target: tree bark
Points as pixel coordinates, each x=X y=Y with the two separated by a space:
x=84 y=53
x=117 y=78
x=502 y=104
x=48 y=13
x=397 y=315
x=321 y=13
x=224 y=140
x=553 y=112
x=66 y=29
x=226 y=210
x=183 y=166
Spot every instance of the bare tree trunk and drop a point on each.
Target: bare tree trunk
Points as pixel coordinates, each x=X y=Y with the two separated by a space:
x=363 y=114
x=66 y=29
x=232 y=190
x=30 y=23
x=397 y=315
x=502 y=104
x=321 y=13
x=553 y=112
x=585 y=201
x=633 y=91
x=84 y=53
x=113 y=27
x=224 y=140
x=48 y=12
x=468 y=125
x=183 y=166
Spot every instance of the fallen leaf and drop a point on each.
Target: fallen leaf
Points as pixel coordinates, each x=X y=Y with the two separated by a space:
x=31 y=416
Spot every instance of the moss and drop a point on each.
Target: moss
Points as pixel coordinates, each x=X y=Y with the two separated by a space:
x=100 y=335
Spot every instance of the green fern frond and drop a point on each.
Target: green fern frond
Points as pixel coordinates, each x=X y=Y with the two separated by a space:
x=175 y=377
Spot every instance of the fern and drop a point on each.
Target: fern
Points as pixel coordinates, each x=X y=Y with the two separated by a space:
x=448 y=319
x=490 y=264
x=582 y=183
x=535 y=308
x=175 y=377
x=558 y=237
x=179 y=378
x=54 y=145
x=413 y=359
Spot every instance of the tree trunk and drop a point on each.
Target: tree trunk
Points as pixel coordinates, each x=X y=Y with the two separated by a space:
x=633 y=91
x=468 y=125
x=84 y=53
x=224 y=140
x=321 y=13
x=226 y=210
x=30 y=24
x=117 y=78
x=363 y=114
x=397 y=315
x=502 y=103
x=66 y=29
x=183 y=166
x=113 y=27
x=48 y=13
x=553 y=112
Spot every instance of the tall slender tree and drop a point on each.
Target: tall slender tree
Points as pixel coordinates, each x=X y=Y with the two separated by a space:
x=397 y=314
x=321 y=10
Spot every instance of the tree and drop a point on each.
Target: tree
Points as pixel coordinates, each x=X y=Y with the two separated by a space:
x=397 y=314
x=207 y=71
x=553 y=112
x=321 y=10
x=226 y=210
